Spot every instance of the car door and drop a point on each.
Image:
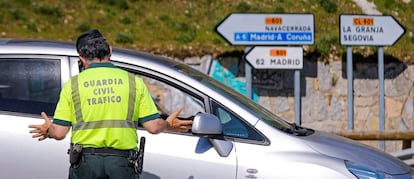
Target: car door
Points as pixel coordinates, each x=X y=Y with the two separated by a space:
x=251 y=145
x=29 y=85
x=180 y=154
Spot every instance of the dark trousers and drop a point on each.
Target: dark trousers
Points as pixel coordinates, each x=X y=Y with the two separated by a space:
x=103 y=167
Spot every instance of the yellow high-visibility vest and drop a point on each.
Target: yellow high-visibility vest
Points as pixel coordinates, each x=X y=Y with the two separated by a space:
x=104 y=104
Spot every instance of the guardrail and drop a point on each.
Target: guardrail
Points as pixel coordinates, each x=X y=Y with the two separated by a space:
x=406 y=154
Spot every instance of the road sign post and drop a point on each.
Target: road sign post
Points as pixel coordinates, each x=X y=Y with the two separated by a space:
x=280 y=58
x=366 y=30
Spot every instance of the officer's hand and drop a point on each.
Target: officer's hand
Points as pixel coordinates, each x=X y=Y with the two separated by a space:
x=40 y=130
x=176 y=124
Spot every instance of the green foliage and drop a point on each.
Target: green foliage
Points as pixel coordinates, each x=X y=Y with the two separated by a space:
x=23 y=2
x=279 y=9
x=325 y=43
x=334 y=80
x=126 y=20
x=83 y=27
x=124 y=38
x=185 y=37
x=243 y=7
x=32 y=26
x=121 y=4
x=17 y=14
x=186 y=32
x=49 y=11
x=164 y=17
x=181 y=26
x=389 y=3
x=217 y=40
x=137 y=12
x=328 y=5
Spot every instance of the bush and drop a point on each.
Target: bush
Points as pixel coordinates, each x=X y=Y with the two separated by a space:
x=126 y=20
x=184 y=27
x=217 y=40
x=185 y=37
x=164 y=18
x=83 y=27
x=243 y=7
x=50 y=11
x=32 y=26
x=122 y=4
x=325 y=43
x=279 y=9
x=17 y=14
x=124 y=38
x=24 y=2
x=328 y=5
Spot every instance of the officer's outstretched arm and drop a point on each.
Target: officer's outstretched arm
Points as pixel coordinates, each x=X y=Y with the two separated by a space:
x=155 y=126
x=48 y=130
x=172 y=123
x=175 y=124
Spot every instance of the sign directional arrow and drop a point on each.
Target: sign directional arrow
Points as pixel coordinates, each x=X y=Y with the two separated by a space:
x=267 y=29
x=370 y=30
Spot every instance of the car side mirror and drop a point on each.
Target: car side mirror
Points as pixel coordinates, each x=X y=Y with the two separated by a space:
x=205 y=124
x=208 y=125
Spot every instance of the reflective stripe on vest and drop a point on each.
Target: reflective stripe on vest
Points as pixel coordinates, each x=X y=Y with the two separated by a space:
x=128 y=123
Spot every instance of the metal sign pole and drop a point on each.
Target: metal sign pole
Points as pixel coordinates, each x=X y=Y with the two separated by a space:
x=248 y=72
x=349 y=74
x=248 y=75
x=297 y=98
x=381 y=92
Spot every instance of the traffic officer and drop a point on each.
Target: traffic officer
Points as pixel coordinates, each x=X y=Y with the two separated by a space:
x=103 y=105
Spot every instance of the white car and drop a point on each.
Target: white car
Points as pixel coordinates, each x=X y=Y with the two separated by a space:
x=232 y=137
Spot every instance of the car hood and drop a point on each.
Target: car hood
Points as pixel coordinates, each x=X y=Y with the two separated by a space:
x=359 y=153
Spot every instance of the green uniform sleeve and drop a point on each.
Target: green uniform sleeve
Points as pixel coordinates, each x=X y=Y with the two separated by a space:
x=146 y=109
x=64 y=109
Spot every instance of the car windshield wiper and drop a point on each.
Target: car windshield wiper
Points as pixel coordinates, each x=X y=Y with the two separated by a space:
x=297 y=130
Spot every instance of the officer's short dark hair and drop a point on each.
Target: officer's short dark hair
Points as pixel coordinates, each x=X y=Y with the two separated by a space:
x=92 y=44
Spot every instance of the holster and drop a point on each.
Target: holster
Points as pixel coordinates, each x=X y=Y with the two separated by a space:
x=136 y=158
x=133 y=161
x=75 y=155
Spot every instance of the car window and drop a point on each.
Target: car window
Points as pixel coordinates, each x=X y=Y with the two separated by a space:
x=232 y=125
x=29 y=85
x=169 y=98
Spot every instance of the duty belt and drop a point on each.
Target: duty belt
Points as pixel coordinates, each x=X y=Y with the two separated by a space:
x=106 y=151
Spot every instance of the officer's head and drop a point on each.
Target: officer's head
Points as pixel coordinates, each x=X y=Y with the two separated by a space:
x=92 y=45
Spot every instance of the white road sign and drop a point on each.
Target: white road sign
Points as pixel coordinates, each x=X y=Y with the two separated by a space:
x=275 y=57
x=267 y=29
x=369 y=30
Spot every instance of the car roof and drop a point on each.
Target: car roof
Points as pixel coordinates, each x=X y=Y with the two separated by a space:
x=51 y=47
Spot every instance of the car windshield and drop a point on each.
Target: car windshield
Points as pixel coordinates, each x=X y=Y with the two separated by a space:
x=264 y=114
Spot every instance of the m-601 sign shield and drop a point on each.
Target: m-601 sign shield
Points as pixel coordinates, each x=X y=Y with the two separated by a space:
x=275 y=57
x=267 y=29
